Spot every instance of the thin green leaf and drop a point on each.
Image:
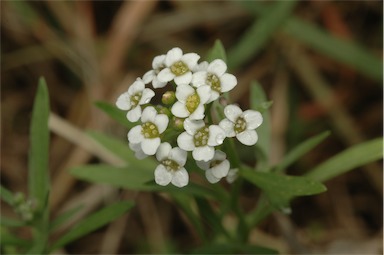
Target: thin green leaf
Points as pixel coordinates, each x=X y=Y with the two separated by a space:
x=93 y=222
x=9 y=239
x=260 y=33
x=39 y=147
x=301 y=150
x=6 y=195
x=347 y=160
x=7 y=222
x=217 y=52
x=280 y=189
x=115 y=113
x=64 y=217
x=233 y=248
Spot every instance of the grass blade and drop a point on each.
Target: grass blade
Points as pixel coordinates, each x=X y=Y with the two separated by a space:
x=6 y=195
x=217 y=52
x=115 y=113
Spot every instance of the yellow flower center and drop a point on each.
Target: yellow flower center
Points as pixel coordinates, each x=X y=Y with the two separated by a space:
x=135 y=99
x=149 y=130
x=192 y=102
x=201 y=137
x=240 y=125
x=214 y=82
x=171 y=165
x=179 y=68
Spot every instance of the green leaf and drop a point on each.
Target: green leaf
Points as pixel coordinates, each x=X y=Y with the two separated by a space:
x=301 y=150
x=259 y=103
x=93 y=222
x=115 y=113
x=280 y=189
x=233 y=248
x=39 y=147
x=347 y=160
x=7 y=222
x=6 y=195
x=64 y=217
x=256 y=37
x=10 y=239
x=217 y=52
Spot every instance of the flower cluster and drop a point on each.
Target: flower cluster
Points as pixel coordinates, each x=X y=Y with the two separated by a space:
x=193 y=87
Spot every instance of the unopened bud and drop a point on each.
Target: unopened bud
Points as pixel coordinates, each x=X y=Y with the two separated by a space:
x=168 y=98
x=178 y=123
x=164 y=110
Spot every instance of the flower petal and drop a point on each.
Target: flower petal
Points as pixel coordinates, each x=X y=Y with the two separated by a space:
x=185 y=141
x=191 y=126
x=204 y=93
x=179 y=110
x=163 y=151
x=149 y=114
x=198 y=113
x=136 y=87
x=232 y=175
x=161 y=121
x=134 y=114
x=221 y=170
x=227 y=126
x=232 y=112
x=162 y=176
x=199 y=79
x=219 y=155
x=178 y=155
x=190 y=59
x=183 y=79
x=203 y=164
x=173 y=55
x=180 y=178
x=253 y=119
x=202 y=66
x=217 y=67
x=203 y=153
x=146 y=96
x=183 y=92
x=248 y=137
x=210 y=177
x=149 y=146
x=149 y=76
x=165 y=75
x=158 y=61
x=227 y=82
x=135 y=135
x=158 y=84
x=216 y=135
x=214 y=95
x=123 y=102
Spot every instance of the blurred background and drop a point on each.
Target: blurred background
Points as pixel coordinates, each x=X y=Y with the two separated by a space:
x=320 y=62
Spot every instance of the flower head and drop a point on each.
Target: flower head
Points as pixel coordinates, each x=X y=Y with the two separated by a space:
x=158 y=64
x=179 y=67
x=200 y=139
x=216 y=78
x=216 y=168
x=148 y=133
x=131 y=100
x=190 y=102
x=241 y=124
x=171 y=167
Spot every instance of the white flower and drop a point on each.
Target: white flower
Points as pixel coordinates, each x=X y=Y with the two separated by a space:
x=232 y=175
x=216 y=168
x=178 y=67
x=190 y=102
x=158 y=64
x=216 y=78
x=131 y=100
x=200 y=139
x=171 y=168
x=202 y=66
x=241 y=124
x=148 y=133
x=139 y=153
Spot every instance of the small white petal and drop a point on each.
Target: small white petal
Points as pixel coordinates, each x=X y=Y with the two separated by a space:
x=198 y=113
x=161 y=121
x=183 y=92
x=221 y=170
x=201 y=67
x=136 y=147
x=178 y=155
x=163 y=151
x=190 y=59
x=214 y=95
x=180 y=110
x=204 y=93
x=227 y=126
x=232 y=175
x=134 y=114
x=158 y=61
x=232 y=112
x=203 y=164
x=227 y=82
x=158 y=84
x=162 y=176
x=216 y=135
x=165 y=75
x=149 y=76
x=146 y=96
x=185 y=141
x=191 y=126
x=219 y=155
x=180 y=178
x=149 y=146
x=203 y=153
x=253 y=119
x=136 y=87
x=173 y=55
x=135 y=135
x=123 y=102
x=217 y=67
x=183 y=79
x=210 y=177
x=149 y=114
x=248 y=137
x=199 y=79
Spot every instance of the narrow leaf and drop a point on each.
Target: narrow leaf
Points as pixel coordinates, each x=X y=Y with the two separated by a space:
x=93 y=222
x=217 y=52
x=64 y=217
x=233 y=248
x=115 y=113
x=6 y=195
x=10 y=239
x=347 y=160
x=7 y=222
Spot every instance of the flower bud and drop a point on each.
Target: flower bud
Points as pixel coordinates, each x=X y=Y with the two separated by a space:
x=168 y=98
x=164 y=110
x=178 y=123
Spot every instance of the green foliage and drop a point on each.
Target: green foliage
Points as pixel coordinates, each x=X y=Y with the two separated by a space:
x=64 y=217
x=217 y=52
x=347 y=160
x=233 y=248
x=6 y=195
x=93 y=222
x=115 y=114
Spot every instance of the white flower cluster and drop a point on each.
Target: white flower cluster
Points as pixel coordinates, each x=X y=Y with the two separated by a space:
x=195 y=85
